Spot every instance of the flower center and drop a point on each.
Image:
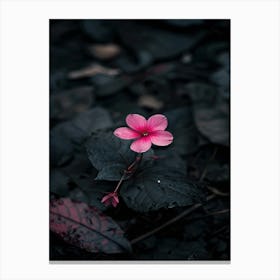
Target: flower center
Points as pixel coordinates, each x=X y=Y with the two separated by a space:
x=145 y=133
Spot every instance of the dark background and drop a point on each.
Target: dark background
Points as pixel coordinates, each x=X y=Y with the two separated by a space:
x=102 y=70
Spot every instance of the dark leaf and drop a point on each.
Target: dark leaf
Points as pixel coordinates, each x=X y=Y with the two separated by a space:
x=194 y=229
x=160 y=43
x=181 y=125
x=65 y=136
x=89 y=191
x=174 y=249
x=131 y=65
x=213 y=124
x=59 y=182
x=159 y=187
x=169 y=158
x=218 y=172
x=111 y=156
x=211 y=112
x=99 y=30
x=201 y=93
x=222 y=76
x=107 y=85
x=67 y=104
x=112 y=172
x=85 y=227
x=184 y=23
x=80 y=166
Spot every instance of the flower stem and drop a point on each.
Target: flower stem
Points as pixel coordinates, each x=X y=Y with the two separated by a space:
x=120 y=182
x=137 y=160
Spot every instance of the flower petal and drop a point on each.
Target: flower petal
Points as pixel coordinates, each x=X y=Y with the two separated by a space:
x=126 y=133
x=115 y=200
x=136 y=122
x=161 y=138
x=115 y=197
x=157 y=122
x=106 y=199
x=141 y=145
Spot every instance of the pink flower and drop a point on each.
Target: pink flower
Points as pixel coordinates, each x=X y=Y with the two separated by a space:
x=146 y=132
x=111 y=198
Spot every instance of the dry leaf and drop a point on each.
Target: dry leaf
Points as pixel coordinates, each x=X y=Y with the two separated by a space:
x=104 y=51
x=150 y=102
x=91 y=71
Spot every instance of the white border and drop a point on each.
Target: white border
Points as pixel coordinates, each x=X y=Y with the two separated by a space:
x=254 y=131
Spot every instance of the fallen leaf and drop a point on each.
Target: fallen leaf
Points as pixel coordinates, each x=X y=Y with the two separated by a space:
x=149 y=101
x=104 y=51
x=91 y=71
x=86 y=227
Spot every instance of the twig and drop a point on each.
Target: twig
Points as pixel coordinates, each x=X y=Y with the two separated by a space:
x=175 y=219
x=217 y=192
x=220 y=212
x=217 y=232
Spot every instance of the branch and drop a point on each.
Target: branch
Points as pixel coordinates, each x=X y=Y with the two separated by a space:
x=175 y=219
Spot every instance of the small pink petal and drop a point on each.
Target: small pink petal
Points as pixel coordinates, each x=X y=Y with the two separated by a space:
x=106 y=198
x=126 y=133
x=161 y=138
x=115 y=198
x=115 y=201
x=111 y=198
x=157 y=122
x=141 y=145
x=136 y=122
x=105 y=201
